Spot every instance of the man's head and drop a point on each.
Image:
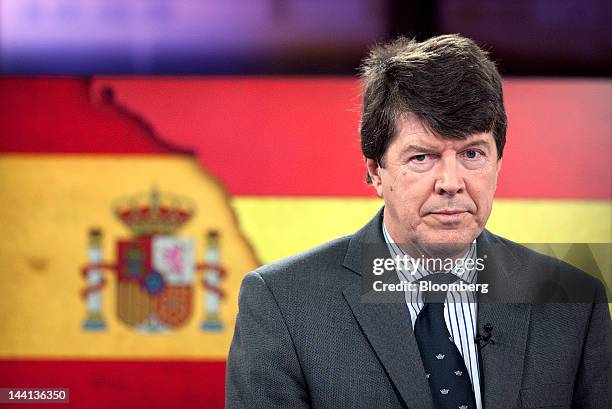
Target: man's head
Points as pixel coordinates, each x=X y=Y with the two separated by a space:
x=433 y=130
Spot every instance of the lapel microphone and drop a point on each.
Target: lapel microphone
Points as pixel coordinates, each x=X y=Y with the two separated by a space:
x=487 y=338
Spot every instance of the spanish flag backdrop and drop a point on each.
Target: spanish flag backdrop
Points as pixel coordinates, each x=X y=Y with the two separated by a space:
x=132 y=208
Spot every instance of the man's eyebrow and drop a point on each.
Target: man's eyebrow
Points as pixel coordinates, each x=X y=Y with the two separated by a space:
x=418 y=148
x=477 y=142
x=428 y=149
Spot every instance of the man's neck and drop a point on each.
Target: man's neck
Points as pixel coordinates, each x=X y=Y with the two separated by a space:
x=452 y=251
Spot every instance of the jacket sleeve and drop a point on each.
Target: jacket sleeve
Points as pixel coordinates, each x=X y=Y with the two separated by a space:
x=263 y=370
x=593 y=385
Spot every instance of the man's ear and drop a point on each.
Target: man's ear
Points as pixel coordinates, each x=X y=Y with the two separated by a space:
x=499 y=165
x=374 y=170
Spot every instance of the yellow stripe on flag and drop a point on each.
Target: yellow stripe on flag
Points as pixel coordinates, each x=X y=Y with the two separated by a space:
x=280 y=226
x=51 y=201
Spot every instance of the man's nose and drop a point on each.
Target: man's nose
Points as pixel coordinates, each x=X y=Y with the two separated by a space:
x=449 y=179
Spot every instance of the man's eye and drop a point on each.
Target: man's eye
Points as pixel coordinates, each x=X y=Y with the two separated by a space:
x=419 y=158
x=471 y=154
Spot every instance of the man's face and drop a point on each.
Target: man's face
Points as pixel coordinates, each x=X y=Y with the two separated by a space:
x=436 y=190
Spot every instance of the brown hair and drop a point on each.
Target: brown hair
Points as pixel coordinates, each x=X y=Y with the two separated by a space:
x=448 y=82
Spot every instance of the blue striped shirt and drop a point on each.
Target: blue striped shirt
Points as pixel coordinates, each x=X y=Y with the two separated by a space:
x=460 y=309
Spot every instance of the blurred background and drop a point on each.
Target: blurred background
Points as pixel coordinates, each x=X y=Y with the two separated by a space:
x=528 y=37
x=154 y=151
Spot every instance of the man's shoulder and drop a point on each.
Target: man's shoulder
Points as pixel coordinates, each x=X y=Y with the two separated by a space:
x=531 y=258
x=323 y=271
x=548 y=270
x=316 y=261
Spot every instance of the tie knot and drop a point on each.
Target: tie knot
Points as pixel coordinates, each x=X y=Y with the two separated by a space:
x=437 y=287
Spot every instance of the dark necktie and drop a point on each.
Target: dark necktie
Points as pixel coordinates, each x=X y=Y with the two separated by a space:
x=445 y=369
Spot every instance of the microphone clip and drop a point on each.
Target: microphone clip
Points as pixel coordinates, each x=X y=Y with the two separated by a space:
x=487 y=338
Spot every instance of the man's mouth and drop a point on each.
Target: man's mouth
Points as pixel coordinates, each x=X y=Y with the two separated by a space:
x=449 y=216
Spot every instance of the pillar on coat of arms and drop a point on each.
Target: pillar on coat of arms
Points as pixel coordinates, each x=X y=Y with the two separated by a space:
x=211 y=281
x=95 y=282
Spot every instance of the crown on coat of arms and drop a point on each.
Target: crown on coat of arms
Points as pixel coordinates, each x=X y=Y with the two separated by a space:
x=153 y=212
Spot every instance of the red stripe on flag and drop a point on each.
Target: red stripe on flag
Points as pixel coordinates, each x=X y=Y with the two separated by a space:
x=56 y=115
x=298 y=136
x=116 y=384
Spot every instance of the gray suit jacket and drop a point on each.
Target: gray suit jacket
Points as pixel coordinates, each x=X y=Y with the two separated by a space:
x=304 y=338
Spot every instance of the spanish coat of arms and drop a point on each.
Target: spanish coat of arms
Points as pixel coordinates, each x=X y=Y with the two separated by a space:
x=155 y=269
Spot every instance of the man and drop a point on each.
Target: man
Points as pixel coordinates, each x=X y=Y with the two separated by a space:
x=327 y=329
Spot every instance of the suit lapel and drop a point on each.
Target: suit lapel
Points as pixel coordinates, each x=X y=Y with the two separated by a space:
x=386 y=325
x=502 y=362
x=387 y=328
